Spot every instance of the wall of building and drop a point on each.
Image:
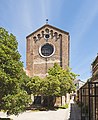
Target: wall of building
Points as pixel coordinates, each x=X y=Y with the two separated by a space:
x=37 y=65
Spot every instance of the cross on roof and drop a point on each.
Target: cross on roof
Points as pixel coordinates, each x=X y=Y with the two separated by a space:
x=46 y=21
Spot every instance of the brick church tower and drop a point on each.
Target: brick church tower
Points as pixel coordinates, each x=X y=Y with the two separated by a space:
x=46 y=46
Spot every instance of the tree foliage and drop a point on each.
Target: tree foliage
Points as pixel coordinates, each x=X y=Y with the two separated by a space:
x=58 y=82
x=50 y=86
x=65 y=78
x=34 y=85
x=13 y=98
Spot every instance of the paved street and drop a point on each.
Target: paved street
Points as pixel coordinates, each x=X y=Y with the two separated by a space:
x=61 y=114
x=72 y=113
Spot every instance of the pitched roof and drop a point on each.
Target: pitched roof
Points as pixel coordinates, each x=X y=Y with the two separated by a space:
x=47 y=25
x=95 y=60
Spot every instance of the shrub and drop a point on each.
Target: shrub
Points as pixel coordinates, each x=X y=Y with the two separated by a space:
x=64 y=106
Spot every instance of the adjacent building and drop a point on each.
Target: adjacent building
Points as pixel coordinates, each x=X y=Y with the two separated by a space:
x=95 y=69
x=94 y=88
x=88 y=95
x=78 y=83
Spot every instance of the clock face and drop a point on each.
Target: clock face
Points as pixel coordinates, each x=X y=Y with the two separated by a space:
x=46 y=50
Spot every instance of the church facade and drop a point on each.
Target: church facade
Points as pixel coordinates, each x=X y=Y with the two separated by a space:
x=46 y=46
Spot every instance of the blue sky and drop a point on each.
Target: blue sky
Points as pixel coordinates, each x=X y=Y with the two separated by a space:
x=78 y=17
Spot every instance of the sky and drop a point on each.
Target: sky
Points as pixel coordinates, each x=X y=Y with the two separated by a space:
x=78 y=17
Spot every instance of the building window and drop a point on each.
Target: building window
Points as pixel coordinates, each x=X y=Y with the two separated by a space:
x=46 y=50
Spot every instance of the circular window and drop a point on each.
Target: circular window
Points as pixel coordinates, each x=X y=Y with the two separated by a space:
x=47 y=36
x=46 y=50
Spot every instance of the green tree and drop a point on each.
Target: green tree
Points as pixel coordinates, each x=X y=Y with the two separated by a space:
x=34 y=85
x=65 y=78
x=13 y=98
x=50 y=89
x=50 y=86
x=58 y=82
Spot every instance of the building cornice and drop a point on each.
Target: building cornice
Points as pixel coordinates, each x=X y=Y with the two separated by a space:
x=47 y=25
